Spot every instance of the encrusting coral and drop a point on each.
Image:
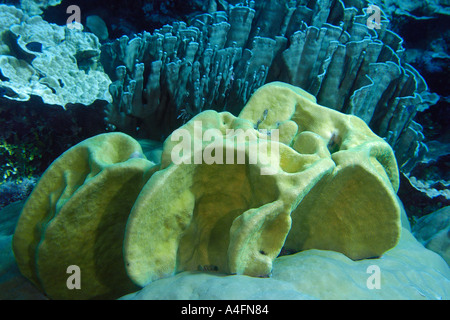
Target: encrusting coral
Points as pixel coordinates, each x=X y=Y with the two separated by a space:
x=35 y=7
x=58 y=64
x=226 y=198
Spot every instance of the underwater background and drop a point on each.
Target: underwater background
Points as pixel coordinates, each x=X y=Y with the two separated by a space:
x=71 y=71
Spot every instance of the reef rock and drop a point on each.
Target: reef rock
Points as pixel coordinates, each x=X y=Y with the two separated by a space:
x=409 y=272
x=433 y=231
x=13 y=285
x=416 y=9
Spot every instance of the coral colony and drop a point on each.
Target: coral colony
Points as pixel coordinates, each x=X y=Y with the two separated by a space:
x=257 y=145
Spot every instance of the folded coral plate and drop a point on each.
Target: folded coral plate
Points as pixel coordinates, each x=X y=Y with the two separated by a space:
x=229 y=195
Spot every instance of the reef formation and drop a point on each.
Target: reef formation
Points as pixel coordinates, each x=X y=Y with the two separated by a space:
x=127 y=222
x=218 y=59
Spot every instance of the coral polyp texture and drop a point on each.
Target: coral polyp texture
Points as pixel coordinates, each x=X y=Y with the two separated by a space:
x=218 y=59
x=229 y=195
x=56 y=63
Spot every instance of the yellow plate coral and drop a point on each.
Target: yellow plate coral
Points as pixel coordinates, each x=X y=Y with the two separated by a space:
x=76 y=215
